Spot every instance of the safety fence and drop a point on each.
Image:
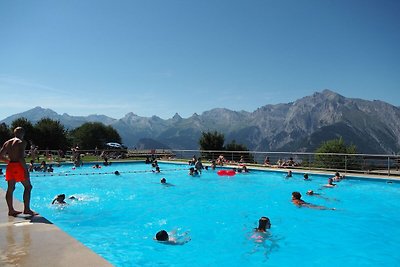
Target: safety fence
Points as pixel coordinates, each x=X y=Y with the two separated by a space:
x=355 y=163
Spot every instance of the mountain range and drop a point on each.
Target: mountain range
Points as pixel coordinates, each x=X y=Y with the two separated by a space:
x=373 y=126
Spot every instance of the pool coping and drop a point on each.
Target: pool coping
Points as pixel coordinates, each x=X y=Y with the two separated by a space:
x=36 y=242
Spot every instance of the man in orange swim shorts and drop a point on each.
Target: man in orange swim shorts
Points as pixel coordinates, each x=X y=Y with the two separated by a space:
x=16 y=171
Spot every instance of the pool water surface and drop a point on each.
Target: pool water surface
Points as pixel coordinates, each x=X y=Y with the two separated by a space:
x=117 y=216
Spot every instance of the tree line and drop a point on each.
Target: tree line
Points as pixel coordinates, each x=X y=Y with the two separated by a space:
x=52 y=135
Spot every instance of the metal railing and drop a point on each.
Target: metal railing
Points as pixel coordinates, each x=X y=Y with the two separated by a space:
x=355 y=163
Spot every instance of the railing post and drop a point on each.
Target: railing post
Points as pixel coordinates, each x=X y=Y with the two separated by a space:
x=345 y=164
x=388 y=162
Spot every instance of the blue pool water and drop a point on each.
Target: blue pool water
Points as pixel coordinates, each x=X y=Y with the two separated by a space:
x=118 y=216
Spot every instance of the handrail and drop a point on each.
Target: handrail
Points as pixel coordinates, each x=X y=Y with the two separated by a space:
x=382 y=164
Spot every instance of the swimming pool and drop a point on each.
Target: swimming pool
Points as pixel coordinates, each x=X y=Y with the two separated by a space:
x=118 y=216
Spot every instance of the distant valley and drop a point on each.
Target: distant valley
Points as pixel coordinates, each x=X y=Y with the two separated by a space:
x=301 y=126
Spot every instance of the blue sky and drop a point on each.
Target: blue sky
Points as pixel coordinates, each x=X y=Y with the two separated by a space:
x=159 y=57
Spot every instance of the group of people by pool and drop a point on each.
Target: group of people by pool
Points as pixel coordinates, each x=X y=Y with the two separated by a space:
x=17 y=171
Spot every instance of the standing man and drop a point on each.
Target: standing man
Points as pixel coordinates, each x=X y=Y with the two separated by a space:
x=16 y=171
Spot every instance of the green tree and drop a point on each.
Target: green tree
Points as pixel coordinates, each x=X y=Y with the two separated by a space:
x=94 y=134
x=233 y=146
x=50 y=134
x=211 y=141
x=30 y=134
x=5 y=133
x=335 y=146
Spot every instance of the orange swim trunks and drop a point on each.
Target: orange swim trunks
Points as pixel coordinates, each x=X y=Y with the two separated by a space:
x=15 y=171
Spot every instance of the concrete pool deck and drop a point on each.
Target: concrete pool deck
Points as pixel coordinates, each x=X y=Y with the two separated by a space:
x=36 y=242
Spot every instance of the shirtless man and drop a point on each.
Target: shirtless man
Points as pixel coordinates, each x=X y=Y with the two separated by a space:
x=16 y=171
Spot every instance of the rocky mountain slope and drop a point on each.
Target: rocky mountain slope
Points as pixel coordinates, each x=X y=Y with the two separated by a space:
x=373 y=126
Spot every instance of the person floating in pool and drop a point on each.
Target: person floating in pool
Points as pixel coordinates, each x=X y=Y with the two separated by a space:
x=59 y=199
x=172 y=238
x=289 y=174
x=330 y=183
x=163 y=181
x=312 y=193
x=117 y=173
x=296 y=199
x=306 y=177
x=157 y=170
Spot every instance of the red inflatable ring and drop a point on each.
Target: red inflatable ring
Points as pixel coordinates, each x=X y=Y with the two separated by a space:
x=221 y=172
x=226 y=172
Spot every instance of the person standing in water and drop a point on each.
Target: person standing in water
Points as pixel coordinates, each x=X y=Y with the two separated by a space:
x=16 y=171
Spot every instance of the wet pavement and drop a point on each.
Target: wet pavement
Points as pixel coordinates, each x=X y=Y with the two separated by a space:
x=36 y=242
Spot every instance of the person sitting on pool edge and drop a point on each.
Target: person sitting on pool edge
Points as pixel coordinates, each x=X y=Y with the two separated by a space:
x=163 y=237
x=296 y=199
x=263 y=224
x=59 y=199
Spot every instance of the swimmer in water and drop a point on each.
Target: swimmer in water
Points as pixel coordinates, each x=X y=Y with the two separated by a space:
x=312 y=193
x=163 y=181
x=171 y=239
x=263 y=224
x=59 y=199
x=330 y=183
x=296 y=199
x=157 y=170
x=260 y=233
x=117 y=173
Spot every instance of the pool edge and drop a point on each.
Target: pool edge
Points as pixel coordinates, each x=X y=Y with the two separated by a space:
x=36 y=242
